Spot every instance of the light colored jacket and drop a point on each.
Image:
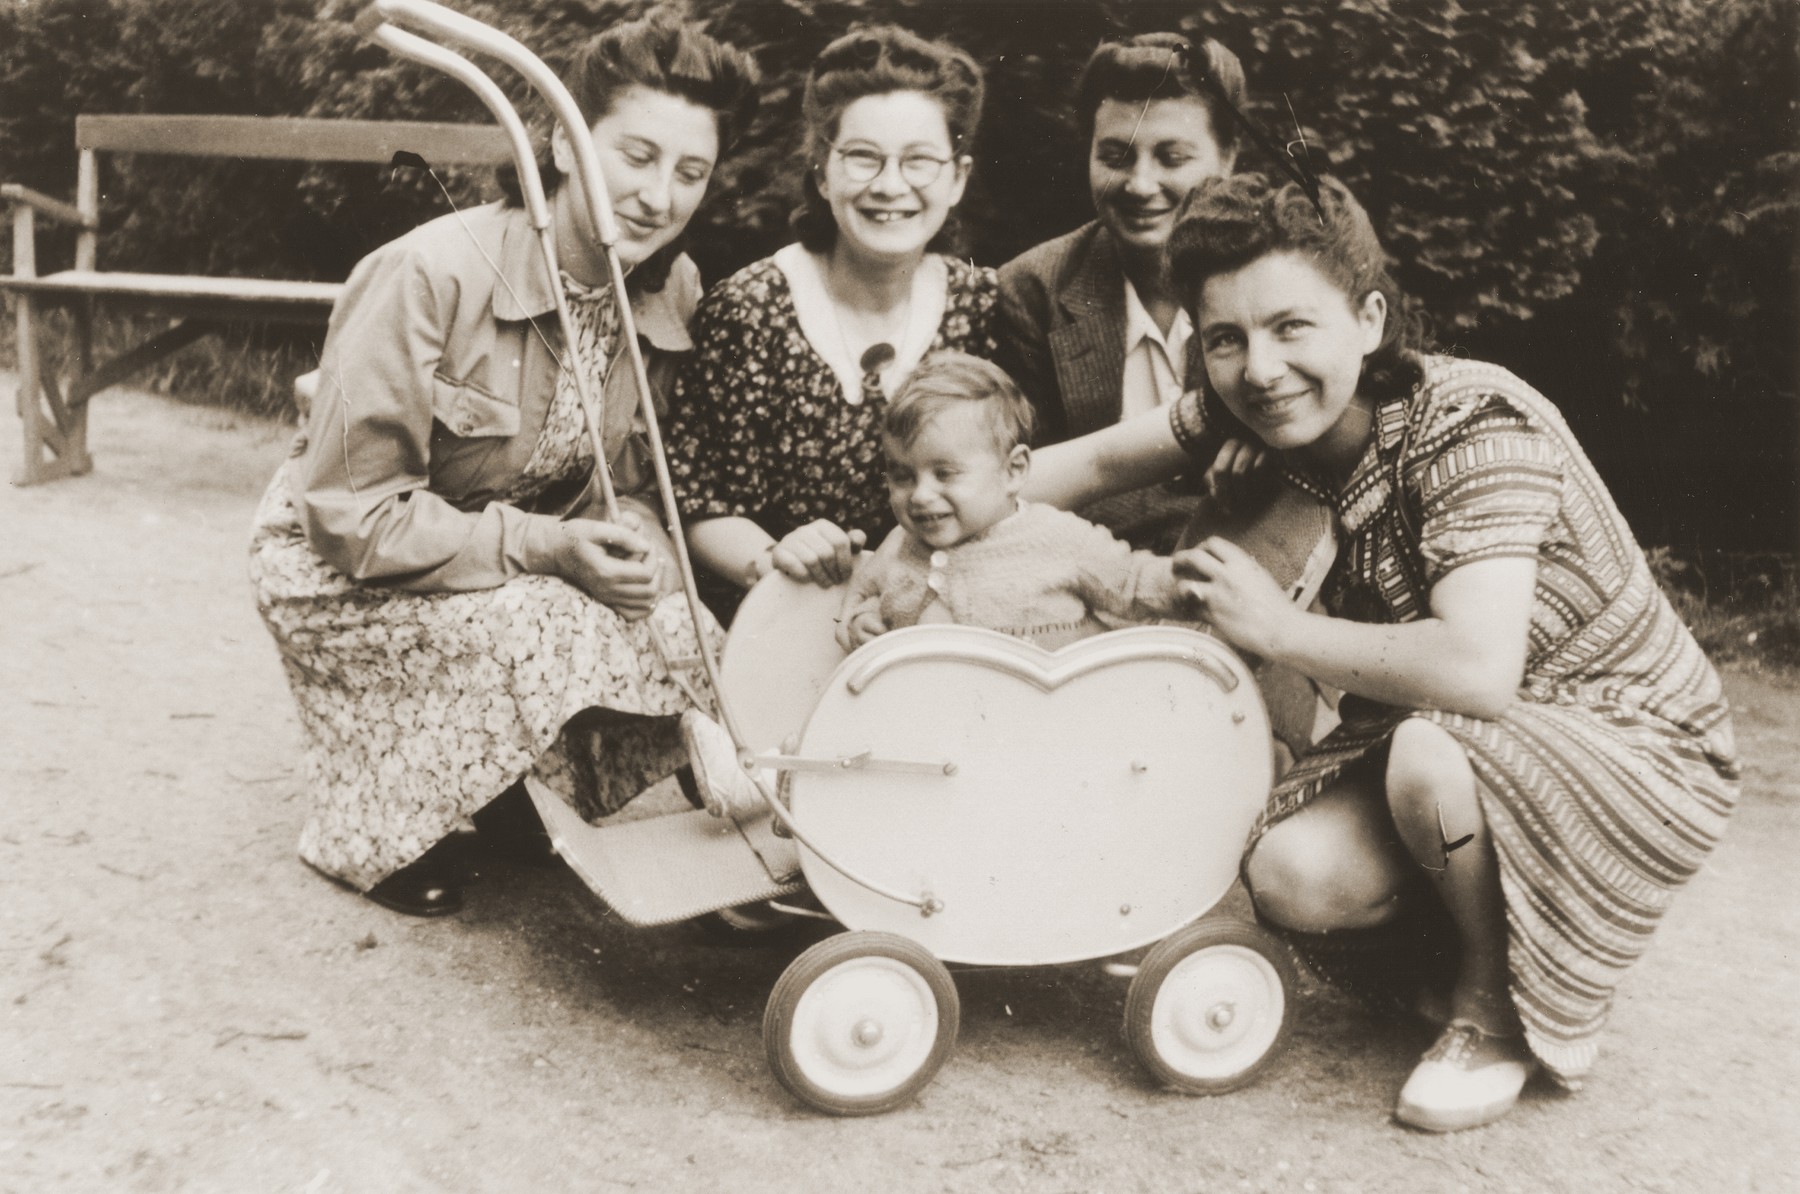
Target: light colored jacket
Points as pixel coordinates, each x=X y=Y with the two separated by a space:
x=439 y=367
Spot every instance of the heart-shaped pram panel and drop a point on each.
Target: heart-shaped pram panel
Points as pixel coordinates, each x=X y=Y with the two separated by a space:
x=1055 y=806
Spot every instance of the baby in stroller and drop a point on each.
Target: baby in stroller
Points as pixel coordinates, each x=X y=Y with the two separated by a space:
x=967 y=548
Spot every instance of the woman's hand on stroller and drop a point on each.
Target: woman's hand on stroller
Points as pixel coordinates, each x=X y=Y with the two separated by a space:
x=1235 y=595
x=820 y=552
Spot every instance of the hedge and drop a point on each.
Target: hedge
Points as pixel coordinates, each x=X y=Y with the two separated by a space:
x=1601 y=194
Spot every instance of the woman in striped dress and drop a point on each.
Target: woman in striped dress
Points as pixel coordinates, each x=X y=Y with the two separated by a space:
x=1529 y=733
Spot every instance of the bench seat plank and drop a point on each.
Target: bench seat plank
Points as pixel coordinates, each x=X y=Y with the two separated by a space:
x=105 y=283
x=295 y=138
x=54 y=387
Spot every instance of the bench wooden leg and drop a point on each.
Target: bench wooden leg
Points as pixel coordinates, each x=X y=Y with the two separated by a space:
x=55 y=435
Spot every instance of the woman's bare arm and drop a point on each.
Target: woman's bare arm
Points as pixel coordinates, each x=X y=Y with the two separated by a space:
x=1130 y=455
x=1467 y=657
x=734 y=548
x=742 y=552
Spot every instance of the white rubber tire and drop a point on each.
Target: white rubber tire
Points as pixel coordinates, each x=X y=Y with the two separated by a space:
x=1208 y=1010
x=860 y=1023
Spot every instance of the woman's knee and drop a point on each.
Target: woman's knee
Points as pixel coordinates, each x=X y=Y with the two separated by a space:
x=1325 y=869
x=1430 y=788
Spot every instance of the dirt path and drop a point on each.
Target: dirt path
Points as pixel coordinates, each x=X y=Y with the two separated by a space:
x=183 y=1006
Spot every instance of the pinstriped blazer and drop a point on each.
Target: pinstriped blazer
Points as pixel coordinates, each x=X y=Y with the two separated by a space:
x=1062 y=331
x=1062 y=337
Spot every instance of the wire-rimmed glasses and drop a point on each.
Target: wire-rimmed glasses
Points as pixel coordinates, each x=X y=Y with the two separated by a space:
x=917 y=170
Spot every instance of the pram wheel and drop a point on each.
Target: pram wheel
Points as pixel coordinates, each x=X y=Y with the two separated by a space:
x=860 y=1022
x=1208 y=1010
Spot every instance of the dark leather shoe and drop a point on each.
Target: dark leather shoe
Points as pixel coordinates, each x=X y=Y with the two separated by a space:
x=425 y=888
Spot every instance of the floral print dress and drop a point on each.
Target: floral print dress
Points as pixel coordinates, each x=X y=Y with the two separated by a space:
x=419 y=708
x=759 y=424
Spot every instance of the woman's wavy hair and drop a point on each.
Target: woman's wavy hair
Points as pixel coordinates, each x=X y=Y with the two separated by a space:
x=659 y=52
x=1229 y=223
x=1154 y=66
x=881 y=60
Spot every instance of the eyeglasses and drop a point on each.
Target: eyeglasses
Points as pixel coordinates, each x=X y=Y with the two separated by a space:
x=918 y=170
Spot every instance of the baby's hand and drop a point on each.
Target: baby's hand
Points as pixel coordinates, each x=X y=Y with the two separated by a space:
x=859 y=628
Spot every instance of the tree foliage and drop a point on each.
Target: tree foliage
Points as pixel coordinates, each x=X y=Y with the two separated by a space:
x=1604 y=189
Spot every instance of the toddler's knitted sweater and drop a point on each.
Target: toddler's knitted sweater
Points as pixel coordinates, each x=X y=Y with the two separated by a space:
x=1041 y=574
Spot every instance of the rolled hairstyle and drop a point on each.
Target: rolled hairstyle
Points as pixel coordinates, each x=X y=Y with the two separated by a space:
x=881 y=60
x=659 y=52
x=1228 y=223
x=1153 y=66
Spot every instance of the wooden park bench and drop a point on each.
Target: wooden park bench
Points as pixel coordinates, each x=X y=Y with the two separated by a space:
x=54 y=409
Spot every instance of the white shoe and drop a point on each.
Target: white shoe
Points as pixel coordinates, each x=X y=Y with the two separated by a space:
x=726 y=789
x=1468 y=1078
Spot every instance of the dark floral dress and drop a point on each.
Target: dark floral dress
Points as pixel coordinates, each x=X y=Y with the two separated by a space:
x=759 y=426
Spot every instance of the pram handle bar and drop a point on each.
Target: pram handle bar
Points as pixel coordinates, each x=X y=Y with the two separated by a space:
x=409 y=45
x=452 y=26
x=369 y=24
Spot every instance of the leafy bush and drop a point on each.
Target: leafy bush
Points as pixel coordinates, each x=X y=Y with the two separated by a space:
x=1600 y=193
x=1743 y=608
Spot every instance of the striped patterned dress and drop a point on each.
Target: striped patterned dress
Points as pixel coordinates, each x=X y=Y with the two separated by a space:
x=1609 y=780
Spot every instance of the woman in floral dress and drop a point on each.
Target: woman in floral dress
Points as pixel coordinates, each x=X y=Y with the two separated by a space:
x=1533 y=751
x=451 y=612
x=774 y=439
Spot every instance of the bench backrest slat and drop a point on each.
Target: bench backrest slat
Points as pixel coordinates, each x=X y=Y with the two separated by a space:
x=295 y=138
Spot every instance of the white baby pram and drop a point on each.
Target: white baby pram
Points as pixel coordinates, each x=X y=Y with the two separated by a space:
x=946 y=794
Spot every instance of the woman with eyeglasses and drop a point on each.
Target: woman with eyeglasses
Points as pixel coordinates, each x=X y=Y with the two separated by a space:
x=774 y=437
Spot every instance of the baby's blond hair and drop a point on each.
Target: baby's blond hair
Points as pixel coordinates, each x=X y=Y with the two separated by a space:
x=946 y=378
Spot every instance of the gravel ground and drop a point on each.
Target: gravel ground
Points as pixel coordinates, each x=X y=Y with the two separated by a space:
x=187 y=1007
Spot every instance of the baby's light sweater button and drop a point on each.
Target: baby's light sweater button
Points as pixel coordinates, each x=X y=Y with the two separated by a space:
x=935 y=582
x=939 y=558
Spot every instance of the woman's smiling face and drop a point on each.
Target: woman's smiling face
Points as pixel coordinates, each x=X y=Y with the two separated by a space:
x=1143 y=161
x=1284 y=349
x=895 y=213
x=657 y=153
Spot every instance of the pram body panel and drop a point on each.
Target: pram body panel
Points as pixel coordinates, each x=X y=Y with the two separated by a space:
x=1084 y=802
